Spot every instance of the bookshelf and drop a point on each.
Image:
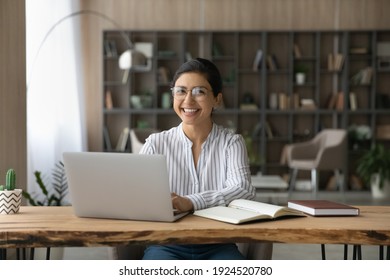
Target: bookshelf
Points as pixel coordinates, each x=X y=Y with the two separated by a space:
x=265 y=104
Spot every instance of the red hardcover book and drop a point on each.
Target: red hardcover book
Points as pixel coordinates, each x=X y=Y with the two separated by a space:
x=323 y=208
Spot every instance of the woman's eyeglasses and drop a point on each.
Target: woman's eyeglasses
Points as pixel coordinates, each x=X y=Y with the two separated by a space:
x=197 y=93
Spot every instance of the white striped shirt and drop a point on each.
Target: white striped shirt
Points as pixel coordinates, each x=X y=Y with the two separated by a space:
x=222 y=174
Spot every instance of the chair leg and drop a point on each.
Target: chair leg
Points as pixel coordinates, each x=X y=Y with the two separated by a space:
x=314 y=182
x=340 y=181
x=293 y=177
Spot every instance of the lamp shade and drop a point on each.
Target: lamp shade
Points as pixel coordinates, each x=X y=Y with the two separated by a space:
x=132 y=58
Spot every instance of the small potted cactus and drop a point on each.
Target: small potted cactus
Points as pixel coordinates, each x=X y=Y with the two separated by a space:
x=10 y=197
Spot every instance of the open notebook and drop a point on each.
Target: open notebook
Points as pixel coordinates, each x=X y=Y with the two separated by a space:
x=119 y=186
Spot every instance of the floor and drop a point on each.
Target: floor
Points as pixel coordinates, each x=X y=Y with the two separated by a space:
x=281 y=251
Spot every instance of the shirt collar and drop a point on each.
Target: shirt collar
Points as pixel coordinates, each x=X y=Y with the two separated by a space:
x=188 y=142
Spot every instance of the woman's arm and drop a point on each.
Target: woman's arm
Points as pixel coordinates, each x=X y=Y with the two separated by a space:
x=237 y=182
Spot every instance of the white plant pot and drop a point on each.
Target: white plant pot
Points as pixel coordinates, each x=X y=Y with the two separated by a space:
x=300 y=78
x=379 y=193
x=10 y=201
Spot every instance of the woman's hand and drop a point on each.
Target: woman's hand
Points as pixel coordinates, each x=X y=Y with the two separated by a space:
x=181 y=204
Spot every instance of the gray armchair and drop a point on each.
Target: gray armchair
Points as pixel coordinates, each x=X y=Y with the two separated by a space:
x=326 y=151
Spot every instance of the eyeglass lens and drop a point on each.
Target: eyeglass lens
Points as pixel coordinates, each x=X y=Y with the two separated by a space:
x=196 y=92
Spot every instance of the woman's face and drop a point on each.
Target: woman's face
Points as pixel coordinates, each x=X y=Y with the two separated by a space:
x=195 y=110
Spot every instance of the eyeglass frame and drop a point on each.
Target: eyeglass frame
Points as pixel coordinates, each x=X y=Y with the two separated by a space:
x=195 y=97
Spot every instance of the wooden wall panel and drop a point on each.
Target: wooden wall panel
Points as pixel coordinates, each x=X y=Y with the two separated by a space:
x=364 y=14
x=150 y=14
x=13 y=148
x=317 y=15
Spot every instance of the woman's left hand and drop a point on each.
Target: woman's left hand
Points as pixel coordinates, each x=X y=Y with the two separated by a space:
x=181 y=204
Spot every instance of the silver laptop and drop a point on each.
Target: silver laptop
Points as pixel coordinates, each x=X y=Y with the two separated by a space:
x=119 y=186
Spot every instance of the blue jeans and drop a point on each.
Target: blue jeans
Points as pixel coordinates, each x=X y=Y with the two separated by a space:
x=193 y=252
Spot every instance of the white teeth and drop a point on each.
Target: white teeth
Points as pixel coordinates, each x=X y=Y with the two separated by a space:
x=190 y=110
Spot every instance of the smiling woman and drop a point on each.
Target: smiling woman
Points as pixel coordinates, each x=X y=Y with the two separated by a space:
x=207 y=164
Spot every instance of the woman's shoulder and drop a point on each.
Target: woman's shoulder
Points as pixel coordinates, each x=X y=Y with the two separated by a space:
x=221 y=132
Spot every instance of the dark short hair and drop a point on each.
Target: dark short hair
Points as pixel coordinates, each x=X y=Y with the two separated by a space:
x=204 y=67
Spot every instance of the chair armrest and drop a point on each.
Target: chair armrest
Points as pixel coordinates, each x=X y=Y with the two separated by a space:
x=304 y=150
x=332 y=157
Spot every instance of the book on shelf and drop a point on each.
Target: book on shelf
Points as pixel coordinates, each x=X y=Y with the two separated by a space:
x=271 y=62
x=107 y=141
x=107 y=48
x=257 y=60
x=268 y=130
x=352 y=101
x=339 y=105
x=339 y=61
x=163 y=75
x=331 y=103
x=358 y=50
x=335 y=62
x=113 y=49
x=242 y=210
x=123 y=140
x=273 y=100
x=295 y=101
x=323 y=208
x=110 y=49
x=108 y=100
x=362 y=77
x=248 y=106
x=297 y=51
x=125 y=76
x=308 y=104
x=283 y=101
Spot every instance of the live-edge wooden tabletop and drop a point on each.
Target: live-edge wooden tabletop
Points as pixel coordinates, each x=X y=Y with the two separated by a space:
x=59 y=227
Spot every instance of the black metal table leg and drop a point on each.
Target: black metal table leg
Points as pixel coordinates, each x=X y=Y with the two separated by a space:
x=3 y=254
x=357 y=252
x=345 y=251
x=323 y=253
x=48 y=253
x=32 y=253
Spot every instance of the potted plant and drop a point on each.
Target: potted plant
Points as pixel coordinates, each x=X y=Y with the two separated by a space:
x=374 y=168
x=10 y=197
x=300 y=71
x=358 y=135
x=50 y=196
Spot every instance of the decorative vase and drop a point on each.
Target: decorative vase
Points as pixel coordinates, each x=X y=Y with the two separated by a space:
x=300 y=78
x=376 y=191
x=10 y=201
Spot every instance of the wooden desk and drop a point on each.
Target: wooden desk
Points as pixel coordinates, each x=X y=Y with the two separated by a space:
x=58 y=227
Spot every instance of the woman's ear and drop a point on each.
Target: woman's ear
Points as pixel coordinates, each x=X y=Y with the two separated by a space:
x=218 y=101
